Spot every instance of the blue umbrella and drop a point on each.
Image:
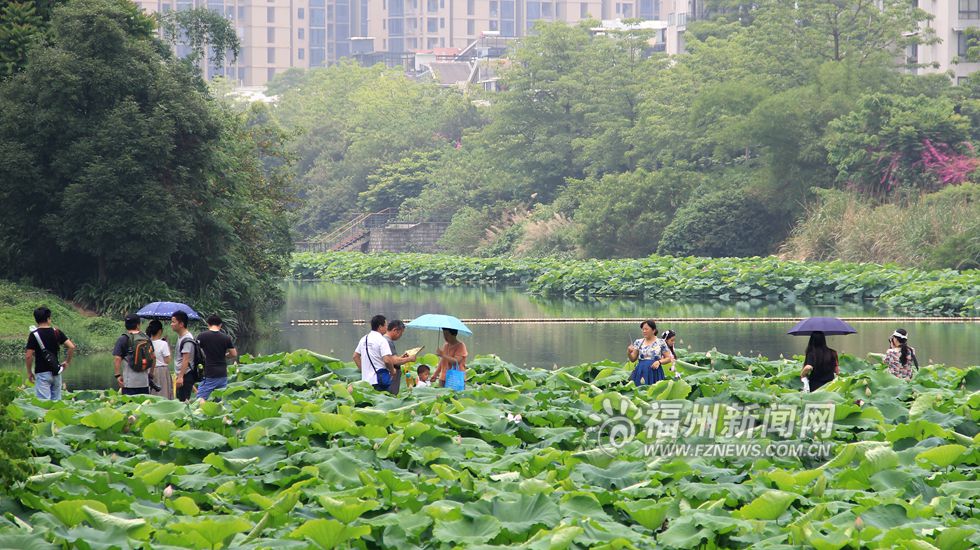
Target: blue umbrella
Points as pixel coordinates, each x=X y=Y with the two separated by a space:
x=830 y=326
x=434 y=321
x=164 y=310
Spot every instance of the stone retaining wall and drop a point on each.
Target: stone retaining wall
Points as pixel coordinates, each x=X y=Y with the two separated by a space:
x=406 y=237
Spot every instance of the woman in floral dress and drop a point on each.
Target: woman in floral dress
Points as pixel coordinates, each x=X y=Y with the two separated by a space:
x=900 y=357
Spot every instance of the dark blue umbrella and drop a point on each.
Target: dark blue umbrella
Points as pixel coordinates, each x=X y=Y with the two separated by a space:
x=164 y=310
x=830 y=326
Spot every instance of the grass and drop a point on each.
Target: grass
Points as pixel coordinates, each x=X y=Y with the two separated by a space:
x=17 y=302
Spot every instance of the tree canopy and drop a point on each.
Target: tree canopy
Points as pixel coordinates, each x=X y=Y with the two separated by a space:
x=124 y=177
x=772 y=100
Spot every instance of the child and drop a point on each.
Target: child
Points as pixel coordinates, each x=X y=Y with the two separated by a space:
x=423 y=377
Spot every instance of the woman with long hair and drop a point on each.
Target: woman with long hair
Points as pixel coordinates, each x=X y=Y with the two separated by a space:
x=900 y=357
x=161 y=371
x=820 y=365
x=650 y=353
x=669 y=337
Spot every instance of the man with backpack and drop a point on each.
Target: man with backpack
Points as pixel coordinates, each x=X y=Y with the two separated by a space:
x=188 y=352
x=41 y=353
x=133 y=358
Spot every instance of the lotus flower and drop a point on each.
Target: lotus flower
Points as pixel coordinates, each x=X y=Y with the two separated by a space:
x=168 y=492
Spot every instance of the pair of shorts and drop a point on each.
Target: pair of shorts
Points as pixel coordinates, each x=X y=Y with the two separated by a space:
x=207 y=386
x=47 y=385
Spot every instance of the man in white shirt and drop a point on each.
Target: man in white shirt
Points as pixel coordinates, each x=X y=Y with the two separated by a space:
x=373 y=356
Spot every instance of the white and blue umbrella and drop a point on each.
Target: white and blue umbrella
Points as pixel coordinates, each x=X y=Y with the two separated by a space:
x=436 y=321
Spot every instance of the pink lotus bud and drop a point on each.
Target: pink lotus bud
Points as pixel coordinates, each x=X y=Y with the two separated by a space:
x=168 y=492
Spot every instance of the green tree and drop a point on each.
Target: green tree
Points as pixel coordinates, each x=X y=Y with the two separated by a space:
x=729 y=222
x=353 y=122
x=883 y=147
x=22 y=22
x=392 y=184
x=125 y=174
x=624 y=215
x=203 y=30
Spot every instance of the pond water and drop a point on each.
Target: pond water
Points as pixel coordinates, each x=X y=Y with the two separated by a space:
x=546 y=344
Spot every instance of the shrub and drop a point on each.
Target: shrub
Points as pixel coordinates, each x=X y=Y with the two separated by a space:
x=938 y=230
x=554 y=235
x=722 y=224
x=624 y=215
x=466 y=232
x=14 y=435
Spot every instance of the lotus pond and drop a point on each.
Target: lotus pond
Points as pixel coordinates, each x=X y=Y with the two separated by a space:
x=299 y=454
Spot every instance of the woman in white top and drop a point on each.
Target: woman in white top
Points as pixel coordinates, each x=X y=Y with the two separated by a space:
x=161 y=372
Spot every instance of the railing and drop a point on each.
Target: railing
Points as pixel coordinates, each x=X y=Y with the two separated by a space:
x=350 y=232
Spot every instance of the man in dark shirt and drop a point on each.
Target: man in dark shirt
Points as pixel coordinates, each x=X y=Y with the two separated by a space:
x=41 y=353
x=218 y=348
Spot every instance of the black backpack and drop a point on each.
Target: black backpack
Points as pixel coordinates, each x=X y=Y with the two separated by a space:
x=197 y=358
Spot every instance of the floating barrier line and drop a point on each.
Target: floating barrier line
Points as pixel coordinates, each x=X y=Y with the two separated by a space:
x=624 y=320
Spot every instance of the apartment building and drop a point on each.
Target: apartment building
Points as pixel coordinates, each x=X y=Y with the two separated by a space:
x=951 y=18
x=412 y=25
x=677 y=13
x=277 y=35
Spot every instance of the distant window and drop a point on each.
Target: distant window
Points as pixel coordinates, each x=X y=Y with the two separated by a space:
x=270 y=35
x=627 y=10
x=301 y=13
x=969 y=9
x=470 y=27
x=271 y=73
x=442 y=22
x=270 y=14
x=301 y=53
x=583 y=10
x=963 y=43
x=241 y=12
x=432 y=25
x=270 y=55
x=301 y=33
x=470 y=7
